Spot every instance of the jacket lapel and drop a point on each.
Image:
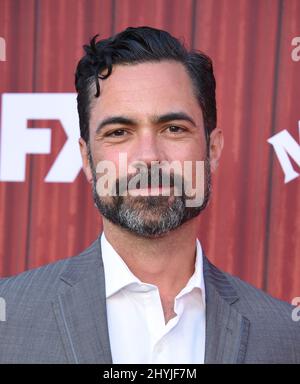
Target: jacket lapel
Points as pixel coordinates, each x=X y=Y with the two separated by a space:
x=226 y=329
x=80 y=309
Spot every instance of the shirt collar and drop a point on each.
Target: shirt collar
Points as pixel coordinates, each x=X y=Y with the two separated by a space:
x=119 y=276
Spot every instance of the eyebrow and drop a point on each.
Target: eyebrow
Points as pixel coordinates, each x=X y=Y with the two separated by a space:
x=113 y=120
x=173 y=116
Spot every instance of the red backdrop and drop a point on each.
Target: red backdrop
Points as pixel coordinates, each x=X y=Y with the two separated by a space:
x=251 y=227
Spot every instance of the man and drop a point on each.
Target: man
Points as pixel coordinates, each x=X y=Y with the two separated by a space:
x=144 y=292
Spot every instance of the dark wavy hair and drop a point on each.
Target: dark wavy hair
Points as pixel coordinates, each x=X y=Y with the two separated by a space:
x=140 y=45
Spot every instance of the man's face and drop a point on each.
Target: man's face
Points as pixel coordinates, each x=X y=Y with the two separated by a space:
x=148 y=112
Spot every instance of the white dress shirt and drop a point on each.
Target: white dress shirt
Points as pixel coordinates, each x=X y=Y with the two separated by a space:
x=136 y=323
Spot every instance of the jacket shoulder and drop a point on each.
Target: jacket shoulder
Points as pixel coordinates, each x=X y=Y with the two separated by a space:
x=273 y=322
x=274 y=333
x=30 y=332
x=257 y=300
x=43 y=281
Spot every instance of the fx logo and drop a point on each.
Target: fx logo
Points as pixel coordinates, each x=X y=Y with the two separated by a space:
x=17 y=140
x=284 y=144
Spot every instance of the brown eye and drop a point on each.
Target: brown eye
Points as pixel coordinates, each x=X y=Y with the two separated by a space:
x=117 y=133
x=175 y=129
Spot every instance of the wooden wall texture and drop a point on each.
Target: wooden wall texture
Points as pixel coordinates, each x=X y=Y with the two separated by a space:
x=252 y=225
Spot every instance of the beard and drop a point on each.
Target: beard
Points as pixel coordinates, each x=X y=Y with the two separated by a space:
x=149 y=216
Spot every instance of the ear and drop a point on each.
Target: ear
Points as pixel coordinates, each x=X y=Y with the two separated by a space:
x=216 y=144
x=85 y=160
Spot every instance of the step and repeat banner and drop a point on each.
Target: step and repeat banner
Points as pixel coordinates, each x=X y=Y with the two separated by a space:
x=251 y=227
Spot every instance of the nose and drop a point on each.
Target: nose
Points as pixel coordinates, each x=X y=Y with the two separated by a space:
x=146 y=149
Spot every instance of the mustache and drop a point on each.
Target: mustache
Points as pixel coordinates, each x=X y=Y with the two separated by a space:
x=145 y=178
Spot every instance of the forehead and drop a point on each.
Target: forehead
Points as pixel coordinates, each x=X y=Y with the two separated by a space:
x=147 y=88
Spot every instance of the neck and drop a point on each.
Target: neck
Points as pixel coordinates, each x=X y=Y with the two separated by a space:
x=167 y=261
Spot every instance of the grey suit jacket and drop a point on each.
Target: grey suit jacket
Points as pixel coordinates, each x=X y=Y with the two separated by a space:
x=57 y=314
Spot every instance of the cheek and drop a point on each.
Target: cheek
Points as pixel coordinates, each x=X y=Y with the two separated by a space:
x=113 y=162
x=103 y=153
x=188 y=156
x=190 y=152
